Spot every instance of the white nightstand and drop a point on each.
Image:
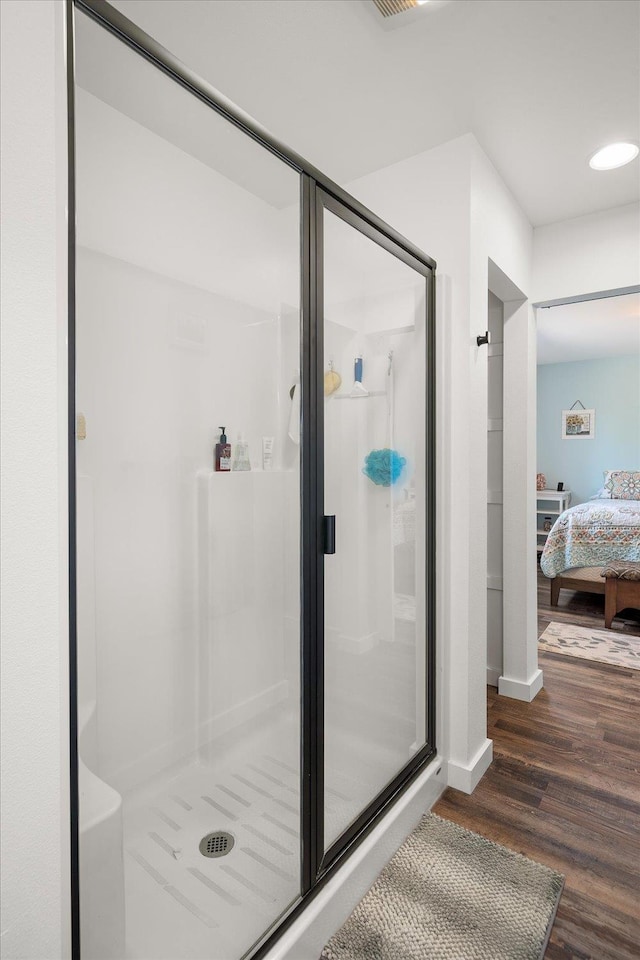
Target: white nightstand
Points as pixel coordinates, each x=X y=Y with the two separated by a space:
x=550 y=504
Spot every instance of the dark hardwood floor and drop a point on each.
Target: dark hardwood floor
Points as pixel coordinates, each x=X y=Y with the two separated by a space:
x=564 y=788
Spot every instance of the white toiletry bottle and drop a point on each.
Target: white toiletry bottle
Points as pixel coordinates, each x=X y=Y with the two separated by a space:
x=267 y=453
x=241 y=459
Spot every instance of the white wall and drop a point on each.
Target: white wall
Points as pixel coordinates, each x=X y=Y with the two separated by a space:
x=35 y=811
x=598 y=252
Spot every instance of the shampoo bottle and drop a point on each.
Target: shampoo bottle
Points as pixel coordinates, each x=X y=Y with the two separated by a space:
x=222 y=458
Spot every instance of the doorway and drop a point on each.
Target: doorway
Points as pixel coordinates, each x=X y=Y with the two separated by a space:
x=588 y=427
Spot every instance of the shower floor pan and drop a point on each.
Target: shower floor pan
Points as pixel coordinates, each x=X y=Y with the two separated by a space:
x=182 y=904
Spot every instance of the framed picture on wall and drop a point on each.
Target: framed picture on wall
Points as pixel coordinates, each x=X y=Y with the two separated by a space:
x=578 y=424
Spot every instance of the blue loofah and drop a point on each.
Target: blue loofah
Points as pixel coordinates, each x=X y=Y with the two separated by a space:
x=383 y=467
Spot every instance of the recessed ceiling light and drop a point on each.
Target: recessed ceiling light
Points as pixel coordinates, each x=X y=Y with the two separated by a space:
x=615 y=155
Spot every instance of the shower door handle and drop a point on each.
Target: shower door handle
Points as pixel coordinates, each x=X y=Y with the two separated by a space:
x=329 y=534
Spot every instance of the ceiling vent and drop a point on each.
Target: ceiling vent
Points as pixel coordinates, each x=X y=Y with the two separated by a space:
x=388 y=8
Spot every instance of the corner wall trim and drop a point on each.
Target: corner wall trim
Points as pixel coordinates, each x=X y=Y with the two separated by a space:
x=466 y=777
x=521 y=689
x=493 y=676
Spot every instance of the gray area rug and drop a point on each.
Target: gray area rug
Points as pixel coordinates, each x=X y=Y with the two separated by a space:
x=605 y=646
x=449 y=894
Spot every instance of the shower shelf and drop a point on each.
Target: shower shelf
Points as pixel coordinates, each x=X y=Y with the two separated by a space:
x=204 y=472
x=362 y=396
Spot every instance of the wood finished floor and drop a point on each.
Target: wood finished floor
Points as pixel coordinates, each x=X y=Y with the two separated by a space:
x=564 y=789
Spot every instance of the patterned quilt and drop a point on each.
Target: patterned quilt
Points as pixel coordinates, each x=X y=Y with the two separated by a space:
x=591 y=534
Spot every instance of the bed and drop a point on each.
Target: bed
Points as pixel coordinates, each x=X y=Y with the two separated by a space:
x=585 y=538
x=590 y=534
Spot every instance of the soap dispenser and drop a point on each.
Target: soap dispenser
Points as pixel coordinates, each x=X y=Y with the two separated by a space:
x=222 y=458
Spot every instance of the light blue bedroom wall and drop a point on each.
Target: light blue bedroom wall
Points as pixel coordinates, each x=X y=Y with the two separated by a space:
x=612 y=388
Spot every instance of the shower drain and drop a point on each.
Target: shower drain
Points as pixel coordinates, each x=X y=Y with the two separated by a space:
x=216 y=844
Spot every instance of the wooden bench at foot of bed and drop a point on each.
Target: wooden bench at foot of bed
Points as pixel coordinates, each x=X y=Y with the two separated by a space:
x=578 y=578
x=620 y=588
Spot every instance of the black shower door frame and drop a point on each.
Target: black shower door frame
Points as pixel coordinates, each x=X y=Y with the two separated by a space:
x=321 y=861
x=318 y=193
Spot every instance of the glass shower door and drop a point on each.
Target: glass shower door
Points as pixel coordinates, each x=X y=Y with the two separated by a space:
x=250 y=355
x=187 y=324
x=376 y=594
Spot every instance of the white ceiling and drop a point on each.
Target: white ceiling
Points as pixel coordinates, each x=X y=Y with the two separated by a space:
x=541 y=83
x=592 y=330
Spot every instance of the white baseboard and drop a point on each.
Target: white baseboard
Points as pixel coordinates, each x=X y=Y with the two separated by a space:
x=521 y=689
x=493 y=676
x=466 y=777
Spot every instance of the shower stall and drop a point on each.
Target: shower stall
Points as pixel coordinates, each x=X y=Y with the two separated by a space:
x=252 y=632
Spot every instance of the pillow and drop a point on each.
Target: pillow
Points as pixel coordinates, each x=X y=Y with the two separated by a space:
x=623 y=484
x=604 y=493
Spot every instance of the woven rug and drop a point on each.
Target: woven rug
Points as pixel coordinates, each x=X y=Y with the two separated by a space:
x=449 y=894
x=606 y=646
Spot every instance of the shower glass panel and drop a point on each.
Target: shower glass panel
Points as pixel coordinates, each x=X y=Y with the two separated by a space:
x=187 y=319
x=375 y=485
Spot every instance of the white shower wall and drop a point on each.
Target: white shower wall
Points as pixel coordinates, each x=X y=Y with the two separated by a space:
x=145 y=200
x=173 y=341
x=146 y=394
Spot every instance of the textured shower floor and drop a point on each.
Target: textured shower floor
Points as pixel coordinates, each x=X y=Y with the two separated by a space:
x=181 y=904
